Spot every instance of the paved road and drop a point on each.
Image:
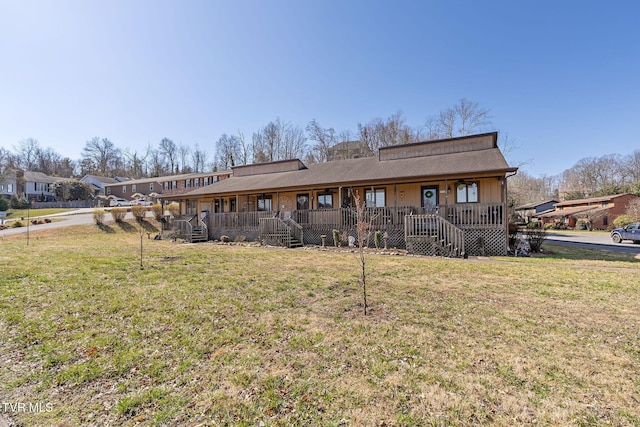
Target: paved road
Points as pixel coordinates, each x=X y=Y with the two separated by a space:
x=592 y=241
x=77 y=217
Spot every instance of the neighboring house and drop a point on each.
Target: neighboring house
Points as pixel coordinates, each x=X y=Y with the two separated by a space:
x=9 y=185
x=528 y=212
x=126 y=188
x=425 y=195
x=98 y=183
x=348 y=150
x=597 y=212
x=180 y=184
x=164 y=185
x=36 y=186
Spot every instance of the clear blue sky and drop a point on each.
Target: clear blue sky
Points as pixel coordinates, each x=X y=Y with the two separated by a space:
x=562 y=78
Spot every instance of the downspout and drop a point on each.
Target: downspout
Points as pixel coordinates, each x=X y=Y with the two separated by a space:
x=505 y=195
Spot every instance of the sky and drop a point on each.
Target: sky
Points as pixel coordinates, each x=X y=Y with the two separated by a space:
x=560 y=78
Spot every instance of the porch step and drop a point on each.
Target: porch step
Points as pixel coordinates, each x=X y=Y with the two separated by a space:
x=295 y=243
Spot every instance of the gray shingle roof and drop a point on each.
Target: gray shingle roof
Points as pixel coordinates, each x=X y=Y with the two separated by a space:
x=366 y=170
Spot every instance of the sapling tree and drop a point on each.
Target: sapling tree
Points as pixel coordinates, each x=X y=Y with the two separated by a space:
x=364 y=221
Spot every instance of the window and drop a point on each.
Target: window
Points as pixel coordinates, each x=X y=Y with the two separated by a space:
x=108 y=191
x=151 y=186
x=124 y=189
x=187 y=183
x=196 y=182
x=133 y=188
x=174 y=185
x=165 y=185
x=467 y=192
x=41 y=186
x=265 y=203
x=206 y=180
x=605 y=221
x=192 y=207
x=325 y=201
x=375 y=198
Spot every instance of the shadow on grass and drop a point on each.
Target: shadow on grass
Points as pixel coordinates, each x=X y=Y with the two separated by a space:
x=125 y=226
x=106 y=228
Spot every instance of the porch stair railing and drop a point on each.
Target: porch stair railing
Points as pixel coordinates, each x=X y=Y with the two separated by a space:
x=191 y=228
x=274 y=231
x=431 y=234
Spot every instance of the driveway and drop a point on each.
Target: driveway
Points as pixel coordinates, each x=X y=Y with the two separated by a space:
x=591 y=240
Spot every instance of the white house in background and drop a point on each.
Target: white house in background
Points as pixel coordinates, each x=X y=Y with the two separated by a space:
x=98 y=183
x=36 y=186
x=9 y=185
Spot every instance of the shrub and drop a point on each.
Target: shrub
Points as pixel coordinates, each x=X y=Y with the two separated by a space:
x=536 y=237
x=377 y=239
x=622 y=220
x=336 y=237
x=158 y=211
x=139 y=212
x=582 y=225
x=513 y=234
x=173 y=208
x=118 y=214
x=19 y=203
x=17 y=224
x=4 y=204
x=98 y=216
x=225 y=239
x=549 y=226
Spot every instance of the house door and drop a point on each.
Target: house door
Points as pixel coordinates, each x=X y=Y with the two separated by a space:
x=429 y=198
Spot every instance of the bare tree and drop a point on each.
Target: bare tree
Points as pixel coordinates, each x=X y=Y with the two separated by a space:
x=364 y=220
x=227 y=151
x=199 y=159
x=471 y=116
x=101 y=155
x=169 y=151
x=385 y=132
x=183 y=153
x=324 y=139
x=26 y=154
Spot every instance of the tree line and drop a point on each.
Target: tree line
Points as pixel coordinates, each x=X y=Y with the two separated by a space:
x=281 y=140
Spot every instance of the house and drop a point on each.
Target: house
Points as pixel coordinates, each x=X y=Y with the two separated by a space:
x=35 y=186
x=596 y=212
x=9 y=184
x=98 y=183
x=438 y=195
x=528 y=212
x=170 y=185
x=348 y=150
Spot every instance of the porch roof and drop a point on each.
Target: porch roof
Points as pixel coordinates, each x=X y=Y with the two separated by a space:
x=365 y=171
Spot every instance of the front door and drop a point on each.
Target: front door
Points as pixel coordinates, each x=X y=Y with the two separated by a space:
x=429 y=198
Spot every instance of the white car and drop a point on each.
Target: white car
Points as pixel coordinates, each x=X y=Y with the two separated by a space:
x=119 y=202
x=141 y=202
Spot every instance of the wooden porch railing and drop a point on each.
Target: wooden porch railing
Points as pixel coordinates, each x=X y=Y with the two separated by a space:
x=274 y=231
x=464 y=215
x=190 y=228
x=433 y=235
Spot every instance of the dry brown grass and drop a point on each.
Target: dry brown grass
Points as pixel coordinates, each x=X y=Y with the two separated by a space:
x=233 y=335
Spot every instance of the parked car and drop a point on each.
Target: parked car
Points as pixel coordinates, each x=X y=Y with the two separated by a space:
x=141 y=202
x=629 y=232
x=119 y=202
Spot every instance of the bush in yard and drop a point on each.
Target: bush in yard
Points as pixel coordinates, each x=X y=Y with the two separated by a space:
x=536 y=237
x=158 y=211
x=98 y=216
x=4 y=204
x=173 y=208
x=336 y=237
x=17 y=224
x=139 y=212
x=118 y=214
x=622 y=220
x=377 y=239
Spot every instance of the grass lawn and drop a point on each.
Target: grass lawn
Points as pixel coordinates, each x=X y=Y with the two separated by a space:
x=209 y=334
x=18 y=213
